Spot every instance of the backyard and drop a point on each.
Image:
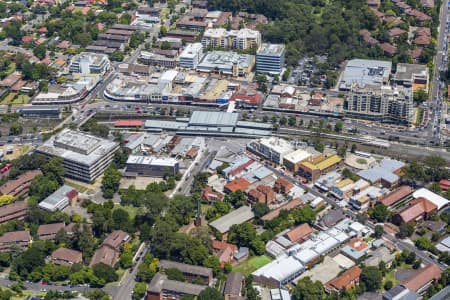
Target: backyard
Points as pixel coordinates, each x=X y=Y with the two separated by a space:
x=252 y=264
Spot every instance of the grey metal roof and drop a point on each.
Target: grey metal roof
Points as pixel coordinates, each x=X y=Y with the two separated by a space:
x=238 y=216
x=215 y=118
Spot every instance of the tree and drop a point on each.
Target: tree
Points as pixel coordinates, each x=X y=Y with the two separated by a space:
x=379 y=212
x=28 y=260
x=40 y=51
x=260 y=209
x=210 y=293
x=15 y=129
x=163 y=31
x=424 y=243
x=353 y=148
x=97 y=294
x=242 y=234
x=292 y=121
x=338 y=126
x=121 y=219
x=213 y=263
x=378 y=232
x=306 y=289
x=110 y=182
x=174 y=274
x=405 y=230
x=319 y=147
x=54 y=169
x=371 y=277
x=139 y=290
x=420 y=95
x=105 y=272
x=388 y=285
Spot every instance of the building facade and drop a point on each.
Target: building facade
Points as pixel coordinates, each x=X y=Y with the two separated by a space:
x=270 y=59
x=90 y=63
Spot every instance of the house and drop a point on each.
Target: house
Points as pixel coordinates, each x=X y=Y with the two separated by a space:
x=162 y=288
x=233 y=286
x=346 y=280
x=255 y=196
x=267 y=191
x=242 y=254
x=66 y=257
x=356 y=249
x=224 y=251
x=109 y=251
x=288 y=206
x=211 y=196
x=444 y=184
x=190 y=272
x=48 y=231
x=17 y=238
x=388 y=49
x=421 y=280
x=282 y=185
x=418 y=209
x=382 y=254
x=299 y=233
x=239 y=184
x=332 y=217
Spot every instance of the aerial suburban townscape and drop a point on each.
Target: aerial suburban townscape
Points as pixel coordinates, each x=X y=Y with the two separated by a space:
x=225 y=149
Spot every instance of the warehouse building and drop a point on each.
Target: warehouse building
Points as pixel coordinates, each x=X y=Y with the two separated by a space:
x=85 y=157
x=151 y=166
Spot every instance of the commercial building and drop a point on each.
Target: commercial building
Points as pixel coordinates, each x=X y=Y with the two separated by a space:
x=362 y=72
x=66 y=257
x=293 y=160
x=271 y=148
x=412 y=75
x=270 y=59
x=238 y=216
x=90 y=63
x=59 y=199
x=161 y=288
x=40 y=112
x=85 y=157
x=226 y=63
x=434 y=198
x=191 y=56
x=19 y=187
x=14 y=211
x=386 y=173
x=314 y=171
x=190 y=272
x=234 y=39
x=279 y=272
x=151 y=166
x=14 y=238
x=154 y=59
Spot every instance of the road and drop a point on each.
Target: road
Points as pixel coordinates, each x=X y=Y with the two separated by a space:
x=123 y=292
x=402 y=245
x=440 y=61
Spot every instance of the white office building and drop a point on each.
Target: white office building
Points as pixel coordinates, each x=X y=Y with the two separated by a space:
x=90 y=63
x=272 y=148
x=191 y=56
x=270 y=59
x=85 y=157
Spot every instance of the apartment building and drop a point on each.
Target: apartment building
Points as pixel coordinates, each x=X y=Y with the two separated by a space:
x=19 y=187
x=233 y=39
x=381 y=103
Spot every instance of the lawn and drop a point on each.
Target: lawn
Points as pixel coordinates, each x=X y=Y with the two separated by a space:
x=79 y=187
x=390 y=277
x=9 y=98
x=21 y=99
x=132 y=211
x=252 y=264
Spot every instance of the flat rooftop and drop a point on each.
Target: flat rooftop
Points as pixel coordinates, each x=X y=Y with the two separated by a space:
x=365 y=72
x=271 y=49
x=213 y=118
x=77 y=146
x=151 y=160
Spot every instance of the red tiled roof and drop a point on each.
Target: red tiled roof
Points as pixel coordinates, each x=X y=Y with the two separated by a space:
x=396 y=195
x=416 y=209
x=43 y=30
x=276 y=212
x=128 y=123
x=444 y=183
x=237 y=184
x=219 y=245
x=299 y=232
x=27 y=39
x=394 y=32
x=249 y=98
x=388 y=48
x=346 y=279
x=423 y=277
